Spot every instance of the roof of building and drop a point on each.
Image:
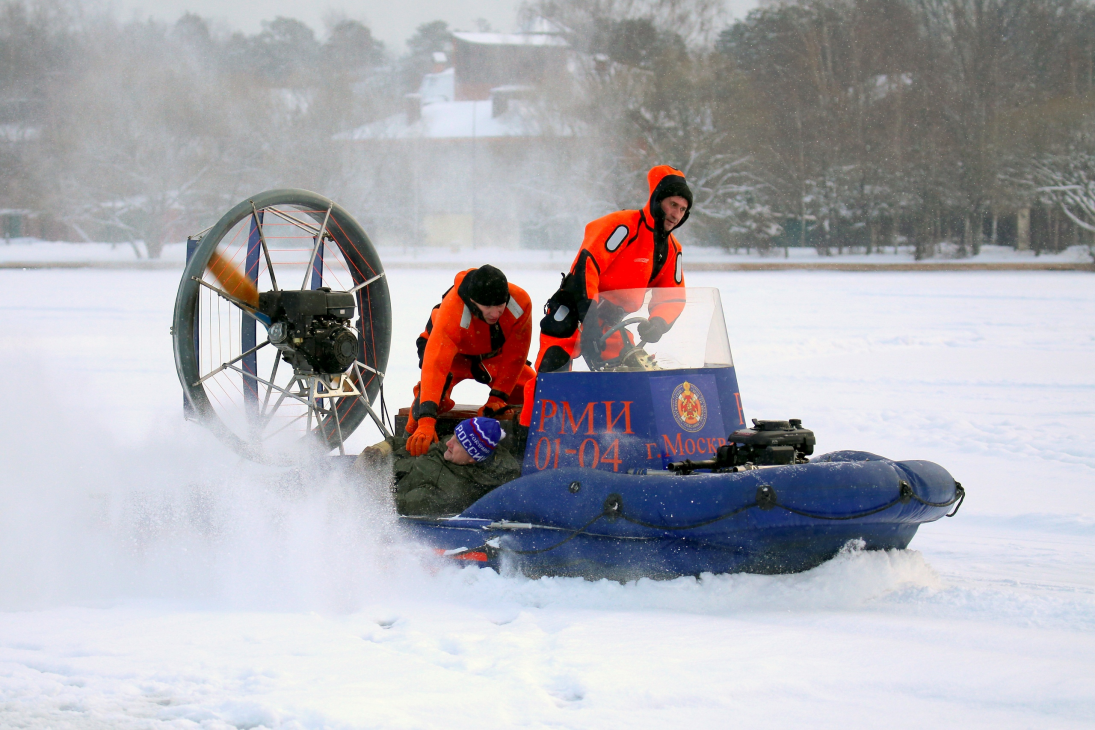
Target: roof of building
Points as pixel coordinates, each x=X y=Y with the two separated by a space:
x=512 y=39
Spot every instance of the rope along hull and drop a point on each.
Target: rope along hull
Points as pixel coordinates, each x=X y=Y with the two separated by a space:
x=583 y=522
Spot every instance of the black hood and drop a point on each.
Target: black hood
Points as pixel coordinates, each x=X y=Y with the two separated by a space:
x=667 y=187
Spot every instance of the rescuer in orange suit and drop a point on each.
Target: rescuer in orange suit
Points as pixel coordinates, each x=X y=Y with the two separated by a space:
x=481 y=330
x=629 y=249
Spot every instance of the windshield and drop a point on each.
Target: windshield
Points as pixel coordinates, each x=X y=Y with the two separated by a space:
x=685 y=326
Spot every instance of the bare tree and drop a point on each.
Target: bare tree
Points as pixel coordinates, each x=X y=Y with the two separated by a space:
x=157 y=128
x=140 y=151
x=995 y=59
x=1065 y=178
x=590 y=21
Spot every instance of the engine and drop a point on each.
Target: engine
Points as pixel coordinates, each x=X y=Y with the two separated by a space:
x=311 y=328
x=767 y=443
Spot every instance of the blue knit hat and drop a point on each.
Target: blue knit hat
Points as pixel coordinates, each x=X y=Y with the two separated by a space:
x=479 y=436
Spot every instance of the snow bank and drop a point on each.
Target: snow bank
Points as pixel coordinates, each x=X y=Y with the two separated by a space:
x=852 y=580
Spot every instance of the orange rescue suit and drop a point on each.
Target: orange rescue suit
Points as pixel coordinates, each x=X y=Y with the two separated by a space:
x=459 y=345
x=620 y=251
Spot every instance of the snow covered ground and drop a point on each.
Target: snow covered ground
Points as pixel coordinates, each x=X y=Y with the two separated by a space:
x=32 y=251
x=149 y=579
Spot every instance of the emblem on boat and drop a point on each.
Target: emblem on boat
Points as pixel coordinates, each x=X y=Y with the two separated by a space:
x=689 y=407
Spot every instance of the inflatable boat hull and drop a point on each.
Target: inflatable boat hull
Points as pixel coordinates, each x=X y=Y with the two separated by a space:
x=623 y=526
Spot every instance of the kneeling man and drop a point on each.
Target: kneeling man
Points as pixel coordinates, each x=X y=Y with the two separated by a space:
x=481 y=331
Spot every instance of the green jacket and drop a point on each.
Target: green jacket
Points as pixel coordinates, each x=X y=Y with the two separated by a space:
x=429 y=485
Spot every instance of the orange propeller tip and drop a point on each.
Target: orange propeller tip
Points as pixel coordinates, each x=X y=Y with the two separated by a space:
x=233 y=280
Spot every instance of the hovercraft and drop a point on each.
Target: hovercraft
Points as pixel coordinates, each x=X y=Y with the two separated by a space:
x=639 y=464
x=637 y=461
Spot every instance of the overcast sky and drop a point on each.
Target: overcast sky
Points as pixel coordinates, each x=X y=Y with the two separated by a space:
x=392 y=21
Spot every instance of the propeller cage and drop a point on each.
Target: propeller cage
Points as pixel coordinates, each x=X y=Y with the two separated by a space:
x=311 y=328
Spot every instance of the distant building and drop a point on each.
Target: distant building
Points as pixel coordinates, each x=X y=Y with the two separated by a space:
x=468 y=144
x=485 y=61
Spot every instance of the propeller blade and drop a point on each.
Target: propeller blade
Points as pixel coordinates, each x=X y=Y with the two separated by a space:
x=233 y=280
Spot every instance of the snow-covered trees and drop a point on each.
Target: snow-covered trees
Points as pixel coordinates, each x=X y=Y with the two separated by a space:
x=911 y=116
x=1065 y=178
x=839 y=123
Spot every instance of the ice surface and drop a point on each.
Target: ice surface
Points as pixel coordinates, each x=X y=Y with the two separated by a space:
x=33 y=251
x=150 y=579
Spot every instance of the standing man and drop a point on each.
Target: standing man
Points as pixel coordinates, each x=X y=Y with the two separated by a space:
x=629 y=249
x=481 y=330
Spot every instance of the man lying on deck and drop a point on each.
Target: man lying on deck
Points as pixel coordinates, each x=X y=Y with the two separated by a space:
x=449 y=477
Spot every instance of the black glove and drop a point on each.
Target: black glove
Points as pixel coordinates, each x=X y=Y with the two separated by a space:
x=590 y=338
x=608 y=314
x=652 y=329
x=496 y=405
x=494 y=412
